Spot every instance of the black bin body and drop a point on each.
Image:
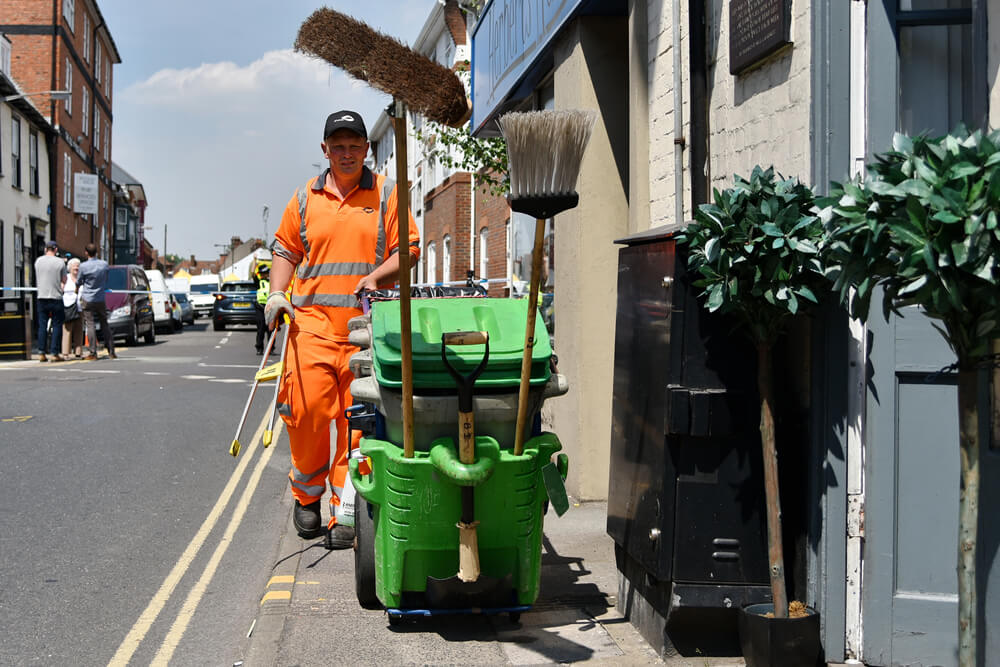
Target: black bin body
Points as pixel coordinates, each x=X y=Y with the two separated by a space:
x=15 y=329
x=686 y=494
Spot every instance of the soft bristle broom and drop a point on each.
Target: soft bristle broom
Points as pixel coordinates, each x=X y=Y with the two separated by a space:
x=413 y=80
x=544 y=151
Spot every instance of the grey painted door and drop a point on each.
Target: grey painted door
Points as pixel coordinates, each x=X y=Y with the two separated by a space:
x=923 y=67
x=911 y=507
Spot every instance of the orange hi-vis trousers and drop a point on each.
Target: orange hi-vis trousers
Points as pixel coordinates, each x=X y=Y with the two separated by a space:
x=315 y=391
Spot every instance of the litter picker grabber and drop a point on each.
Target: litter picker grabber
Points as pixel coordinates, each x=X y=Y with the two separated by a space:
x=544 y=150
x=278 y=369
x=234 y=448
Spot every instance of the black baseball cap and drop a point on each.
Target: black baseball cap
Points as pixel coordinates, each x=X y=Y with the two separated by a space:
x=345 y=120
x=52 y=244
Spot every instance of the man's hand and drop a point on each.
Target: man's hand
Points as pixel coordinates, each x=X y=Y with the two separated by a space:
x=276 y=304
x=367 y=283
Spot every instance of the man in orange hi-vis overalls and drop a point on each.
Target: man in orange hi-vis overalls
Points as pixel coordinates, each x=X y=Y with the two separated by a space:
x=340 y=231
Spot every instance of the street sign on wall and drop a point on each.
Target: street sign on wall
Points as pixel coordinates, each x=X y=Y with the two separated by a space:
x=85 y=189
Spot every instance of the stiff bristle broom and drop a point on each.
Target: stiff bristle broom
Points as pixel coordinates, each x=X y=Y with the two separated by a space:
x=414 y=81
x=544 y=151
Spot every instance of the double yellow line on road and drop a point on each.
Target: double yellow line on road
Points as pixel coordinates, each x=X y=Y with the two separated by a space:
x=142 y=626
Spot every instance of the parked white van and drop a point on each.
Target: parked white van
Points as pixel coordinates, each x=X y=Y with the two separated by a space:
x=164 y=317
x=203 y=289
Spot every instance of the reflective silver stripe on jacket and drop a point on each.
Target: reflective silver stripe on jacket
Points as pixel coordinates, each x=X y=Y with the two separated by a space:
x=291 y=255
x=335 y=269
x=336 y=300
x=303 y=195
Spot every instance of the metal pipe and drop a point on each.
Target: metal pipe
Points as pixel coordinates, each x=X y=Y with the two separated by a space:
x=678 y=117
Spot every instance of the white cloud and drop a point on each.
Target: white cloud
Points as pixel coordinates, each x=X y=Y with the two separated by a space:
x=213 y=144
x=274 y=73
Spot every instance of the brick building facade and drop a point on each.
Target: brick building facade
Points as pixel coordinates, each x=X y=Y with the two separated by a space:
x=492 y=226
x=66 y=45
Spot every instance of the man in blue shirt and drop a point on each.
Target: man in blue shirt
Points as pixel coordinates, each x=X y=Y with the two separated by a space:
x=91 y=283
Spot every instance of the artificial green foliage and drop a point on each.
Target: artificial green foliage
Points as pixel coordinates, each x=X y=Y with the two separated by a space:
x=755 y=251
x=923 y=223
x=456 y=148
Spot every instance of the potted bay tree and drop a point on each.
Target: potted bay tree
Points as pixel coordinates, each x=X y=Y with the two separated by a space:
x=755 y=254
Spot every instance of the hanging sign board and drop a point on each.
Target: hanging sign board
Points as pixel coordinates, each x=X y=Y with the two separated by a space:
x=85 y=193
x=507 y=40
x=757 y=29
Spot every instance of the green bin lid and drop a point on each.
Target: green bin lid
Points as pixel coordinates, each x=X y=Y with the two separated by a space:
x=504 y=320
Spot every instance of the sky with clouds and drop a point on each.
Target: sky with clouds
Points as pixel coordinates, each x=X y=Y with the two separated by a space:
x=218 y=117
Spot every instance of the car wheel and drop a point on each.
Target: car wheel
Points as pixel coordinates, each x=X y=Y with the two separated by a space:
x=132 y=337
x=150 y=336
x=218 y=326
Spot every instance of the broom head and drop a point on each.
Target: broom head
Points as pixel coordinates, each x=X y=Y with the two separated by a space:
x=388 y=65
x=544 y=150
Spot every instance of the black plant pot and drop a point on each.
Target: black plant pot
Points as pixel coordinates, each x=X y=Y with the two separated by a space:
x=769 y=642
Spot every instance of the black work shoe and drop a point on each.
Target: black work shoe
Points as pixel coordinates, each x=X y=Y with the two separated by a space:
x=339 y=537
x=307 y=520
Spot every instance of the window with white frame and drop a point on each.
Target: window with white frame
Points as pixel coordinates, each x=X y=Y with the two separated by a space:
x=85 y=112
x=104 y=214
x=107 y=135
x=15 y=151
x=446 y=259
x=107 y=78
x=69 y=13
x=68 y=104
x=33 y=184
x=97 y=60
x=431 y=262
x=86 y=36
x=4 y=55
x=483 y=257
x=67 y=181
x=121 y=223
x=97 y=128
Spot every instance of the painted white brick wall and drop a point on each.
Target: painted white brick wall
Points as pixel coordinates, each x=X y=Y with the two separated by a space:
x=761 y=117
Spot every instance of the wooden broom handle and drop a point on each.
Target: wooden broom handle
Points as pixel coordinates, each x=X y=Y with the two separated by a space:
x=403 y=220
x=529 y=337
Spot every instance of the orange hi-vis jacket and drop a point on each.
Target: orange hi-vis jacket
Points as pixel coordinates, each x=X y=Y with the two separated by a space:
x=336 y=243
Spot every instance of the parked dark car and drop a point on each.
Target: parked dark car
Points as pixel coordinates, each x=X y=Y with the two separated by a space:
x=130 y=309
x=234 y=304
x=187 y=310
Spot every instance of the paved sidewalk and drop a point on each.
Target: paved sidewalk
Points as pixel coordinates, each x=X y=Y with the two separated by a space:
x=310 y=605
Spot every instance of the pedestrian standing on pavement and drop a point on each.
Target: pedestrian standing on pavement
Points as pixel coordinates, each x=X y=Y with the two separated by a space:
x=91 y=283
x=340 y=230
x=72 y=335
x=50 y=276
x=262 y=275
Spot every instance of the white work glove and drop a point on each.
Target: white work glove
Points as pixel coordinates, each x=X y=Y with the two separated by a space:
x=276 y=304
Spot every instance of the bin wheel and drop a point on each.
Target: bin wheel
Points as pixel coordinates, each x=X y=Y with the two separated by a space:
x=395 y=620
x=364 y=557
x=515 y=616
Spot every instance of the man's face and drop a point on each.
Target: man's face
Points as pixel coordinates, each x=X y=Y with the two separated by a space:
x=346 y=152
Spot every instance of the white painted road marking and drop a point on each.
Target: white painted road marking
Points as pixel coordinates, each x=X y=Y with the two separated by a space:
x=138 y=632
x=176 y=633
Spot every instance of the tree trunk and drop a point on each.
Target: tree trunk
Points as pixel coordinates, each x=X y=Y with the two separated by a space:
x=968 y=514
x=775 y=553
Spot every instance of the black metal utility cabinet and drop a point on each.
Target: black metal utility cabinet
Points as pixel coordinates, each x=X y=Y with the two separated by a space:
x=685 y=505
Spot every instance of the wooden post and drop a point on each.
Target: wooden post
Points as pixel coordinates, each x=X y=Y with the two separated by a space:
x=529 y=338
x=403 y=215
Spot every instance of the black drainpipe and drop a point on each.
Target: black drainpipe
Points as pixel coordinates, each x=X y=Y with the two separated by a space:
x=700 y=167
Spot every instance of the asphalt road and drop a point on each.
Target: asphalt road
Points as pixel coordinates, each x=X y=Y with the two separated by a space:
x=128 y=533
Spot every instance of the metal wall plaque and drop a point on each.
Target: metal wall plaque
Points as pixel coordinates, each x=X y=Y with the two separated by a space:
x=757 y=28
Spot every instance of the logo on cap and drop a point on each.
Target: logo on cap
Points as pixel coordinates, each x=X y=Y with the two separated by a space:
x=346 y=117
